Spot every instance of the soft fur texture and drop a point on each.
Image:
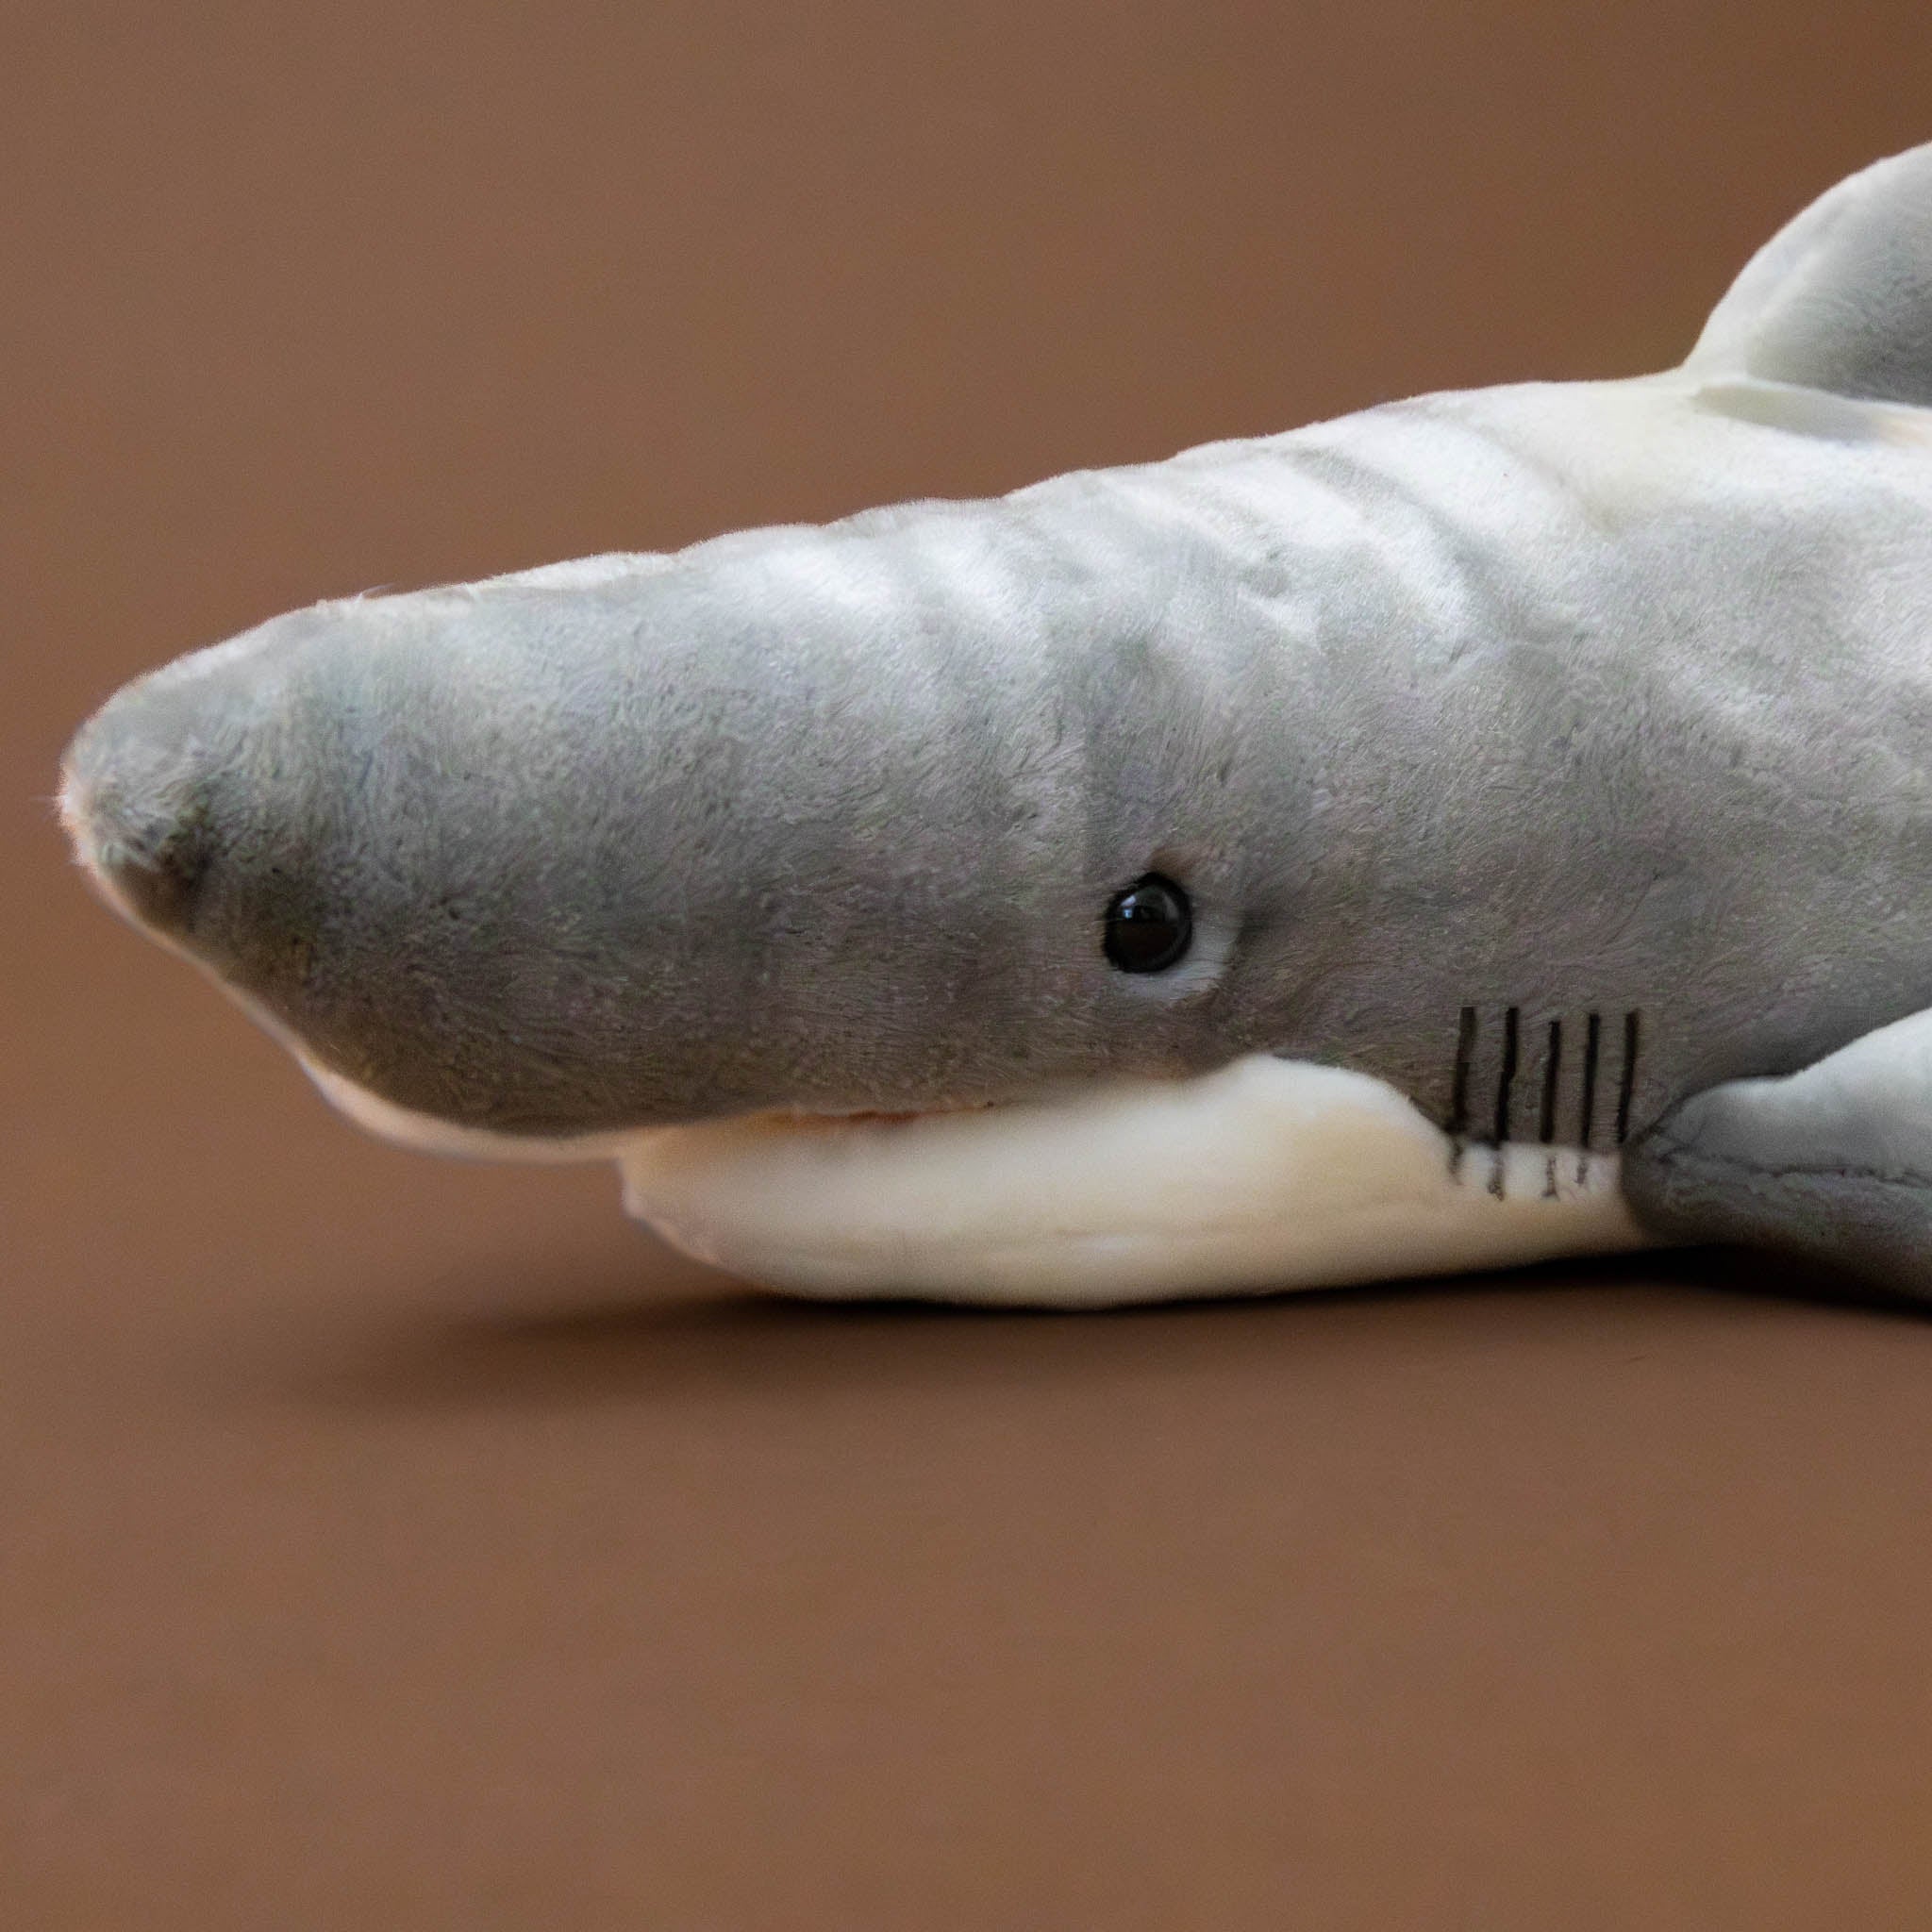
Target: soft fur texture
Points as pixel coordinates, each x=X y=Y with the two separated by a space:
x=1510 y=743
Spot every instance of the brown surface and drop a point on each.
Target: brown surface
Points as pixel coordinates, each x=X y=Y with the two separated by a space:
x=390 y=1544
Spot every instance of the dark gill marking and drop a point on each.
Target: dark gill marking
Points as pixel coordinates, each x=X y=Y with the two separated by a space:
x=1586 y=1119
x=1627 y=1087
x=1505 y=1080
x=1552 y=1072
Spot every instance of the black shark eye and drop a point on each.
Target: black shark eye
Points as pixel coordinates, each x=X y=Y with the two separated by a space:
x=1149 y=926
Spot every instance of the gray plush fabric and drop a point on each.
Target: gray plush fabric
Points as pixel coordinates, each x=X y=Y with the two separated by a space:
x=1833 y=1163
x=1536 y=704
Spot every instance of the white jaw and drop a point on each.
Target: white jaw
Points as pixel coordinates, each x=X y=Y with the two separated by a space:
x=1265 y=1174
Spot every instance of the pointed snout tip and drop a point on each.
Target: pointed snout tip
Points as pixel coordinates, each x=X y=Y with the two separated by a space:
x=71 y=808
x=137 y=834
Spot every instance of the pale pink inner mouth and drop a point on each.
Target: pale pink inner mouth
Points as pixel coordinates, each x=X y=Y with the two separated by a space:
x=888 y=1116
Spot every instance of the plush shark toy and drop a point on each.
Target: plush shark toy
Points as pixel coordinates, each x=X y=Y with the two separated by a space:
x=1491 y=826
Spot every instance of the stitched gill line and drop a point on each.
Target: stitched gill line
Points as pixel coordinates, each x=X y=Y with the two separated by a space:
x=1627 y=1087
x=1553 y=1068
x=1505 y=1080
x=1585 y=1124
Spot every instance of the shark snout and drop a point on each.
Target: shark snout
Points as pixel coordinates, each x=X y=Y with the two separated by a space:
x=159 y=788
x=136 y=799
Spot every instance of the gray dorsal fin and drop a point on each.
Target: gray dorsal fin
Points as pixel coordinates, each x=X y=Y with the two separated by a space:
x=1840 y=298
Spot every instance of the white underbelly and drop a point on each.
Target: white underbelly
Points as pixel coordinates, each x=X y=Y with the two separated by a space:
x=1265 y=1174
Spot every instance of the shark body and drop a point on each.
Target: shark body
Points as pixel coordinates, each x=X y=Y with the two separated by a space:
x=1544 y=774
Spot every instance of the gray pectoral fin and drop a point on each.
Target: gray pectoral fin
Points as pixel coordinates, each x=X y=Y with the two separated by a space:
x=1833 y=1163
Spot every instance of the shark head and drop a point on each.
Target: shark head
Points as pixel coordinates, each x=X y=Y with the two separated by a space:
x=787 y=822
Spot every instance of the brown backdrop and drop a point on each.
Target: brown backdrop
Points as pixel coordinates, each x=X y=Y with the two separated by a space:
x=392 y=1544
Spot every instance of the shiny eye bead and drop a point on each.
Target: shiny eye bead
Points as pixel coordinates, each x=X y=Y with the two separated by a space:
x=1149 y=926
